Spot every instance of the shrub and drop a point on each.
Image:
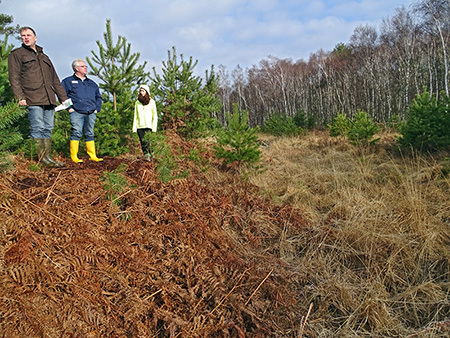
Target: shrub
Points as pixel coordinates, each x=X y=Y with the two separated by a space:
x=185 y=101
x=237 y=142
x=362 y=129
x=427 y=126
x=115 y=182
x=340 y=125
x=165 y=162
x=394 y=122
x=303 y=121
x=61 y=133
x=279 y=125
x=10 y=138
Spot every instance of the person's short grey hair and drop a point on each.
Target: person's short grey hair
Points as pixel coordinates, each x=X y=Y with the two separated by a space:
x=75 y=63
x=25 y=28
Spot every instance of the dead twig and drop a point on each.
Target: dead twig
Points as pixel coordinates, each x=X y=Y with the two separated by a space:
x=270 y=272
x=50 y=190
x=229 y=293
x=304 y=320
x=27 y=200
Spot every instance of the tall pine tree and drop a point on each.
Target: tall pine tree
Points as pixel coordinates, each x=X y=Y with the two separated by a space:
x=6 y=26
x=13 y=125
x=116 y=66
x=5 y=87
x=6 y=30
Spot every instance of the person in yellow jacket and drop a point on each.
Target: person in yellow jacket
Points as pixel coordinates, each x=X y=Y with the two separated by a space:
x=145 y=119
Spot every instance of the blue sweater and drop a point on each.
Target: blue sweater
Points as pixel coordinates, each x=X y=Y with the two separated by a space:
x=85 y=94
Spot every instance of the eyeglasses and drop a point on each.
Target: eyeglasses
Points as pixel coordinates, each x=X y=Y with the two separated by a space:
x=82 y=66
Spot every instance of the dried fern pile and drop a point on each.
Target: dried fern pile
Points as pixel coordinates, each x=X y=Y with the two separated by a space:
x=151 y=260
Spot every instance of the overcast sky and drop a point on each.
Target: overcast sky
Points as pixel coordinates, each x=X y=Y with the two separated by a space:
x=218 y=32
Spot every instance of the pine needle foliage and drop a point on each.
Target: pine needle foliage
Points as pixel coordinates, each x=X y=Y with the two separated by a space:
x=116 y=66
x=237 y=142
x=340 y=125
x=114 y=182
x=61 y=133
x=278 y=125
x=10 y=138
x=5 y=87
x=360 y=129
x=186 y=103
x=164 y=158
x=427 y=126
x=301 y=119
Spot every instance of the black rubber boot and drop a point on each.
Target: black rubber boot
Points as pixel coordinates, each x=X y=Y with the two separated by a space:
x=43 y=148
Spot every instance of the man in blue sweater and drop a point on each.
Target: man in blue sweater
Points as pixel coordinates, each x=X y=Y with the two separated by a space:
x=86 y=103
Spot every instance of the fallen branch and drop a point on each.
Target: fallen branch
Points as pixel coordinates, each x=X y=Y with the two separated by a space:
x=229 y=293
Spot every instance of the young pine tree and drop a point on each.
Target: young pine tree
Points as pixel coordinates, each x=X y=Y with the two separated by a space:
x=5 y=88
x=10 y=137
x=238 y=142
x=116 y=67
x=186 y=104
x=427 y=126
x=14 y=127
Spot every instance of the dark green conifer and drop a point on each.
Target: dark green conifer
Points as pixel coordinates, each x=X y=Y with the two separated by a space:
x=185 y=102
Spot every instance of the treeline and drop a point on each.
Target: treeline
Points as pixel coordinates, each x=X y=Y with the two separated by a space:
x=376 y=72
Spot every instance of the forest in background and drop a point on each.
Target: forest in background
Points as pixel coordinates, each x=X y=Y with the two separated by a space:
x=378 y=71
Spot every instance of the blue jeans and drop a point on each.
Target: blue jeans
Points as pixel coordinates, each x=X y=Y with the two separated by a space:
x=82 y=124
x=41 y=121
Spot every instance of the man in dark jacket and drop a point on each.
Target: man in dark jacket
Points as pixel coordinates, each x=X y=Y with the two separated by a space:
x=86 y=103
x=35 y=84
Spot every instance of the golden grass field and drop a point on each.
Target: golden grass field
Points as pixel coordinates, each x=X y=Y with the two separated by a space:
x=379 y=248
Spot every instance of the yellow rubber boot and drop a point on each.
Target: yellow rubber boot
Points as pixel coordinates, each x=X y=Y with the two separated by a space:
x=90 y=148
x=74 y=145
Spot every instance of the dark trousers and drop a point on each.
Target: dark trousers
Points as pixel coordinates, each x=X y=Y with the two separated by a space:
x=145 y=144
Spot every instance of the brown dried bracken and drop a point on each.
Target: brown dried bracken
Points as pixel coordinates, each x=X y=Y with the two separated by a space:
x=73 y=266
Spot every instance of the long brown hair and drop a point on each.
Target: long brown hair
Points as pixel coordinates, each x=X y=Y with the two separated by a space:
x=144 y=99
